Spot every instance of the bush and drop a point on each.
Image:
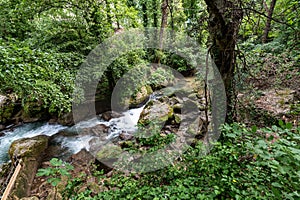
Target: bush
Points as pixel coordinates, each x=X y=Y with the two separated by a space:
x=246 y=164
x=40 y=77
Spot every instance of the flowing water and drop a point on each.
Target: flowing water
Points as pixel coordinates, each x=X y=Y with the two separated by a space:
x=125 y=123
x=25 y=131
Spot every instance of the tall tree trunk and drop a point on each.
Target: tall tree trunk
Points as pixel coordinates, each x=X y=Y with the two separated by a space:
x=155 y=20
x=164 y=22
x=269 y=20
x=224 y=21
x=145 y=15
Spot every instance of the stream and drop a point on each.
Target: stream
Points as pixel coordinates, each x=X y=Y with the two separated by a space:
x=126 y=123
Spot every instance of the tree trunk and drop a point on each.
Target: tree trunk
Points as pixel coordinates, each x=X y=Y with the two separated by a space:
x=224 y=22
x=164 y=21
x=155 y=21
x=269 y=20
x=145 y=15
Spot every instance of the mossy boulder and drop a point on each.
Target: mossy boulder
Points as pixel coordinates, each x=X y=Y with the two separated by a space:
x=28 y=147
x=7 y=104
x=138 y=99
x=109 y=152
x=156 y=111
x=30 y=151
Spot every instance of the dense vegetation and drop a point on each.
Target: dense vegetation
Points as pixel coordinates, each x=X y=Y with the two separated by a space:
x=245 y=165
x=255 y=45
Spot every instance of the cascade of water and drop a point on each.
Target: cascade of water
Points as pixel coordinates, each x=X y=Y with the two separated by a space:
x=25 y=131
x=126 y=123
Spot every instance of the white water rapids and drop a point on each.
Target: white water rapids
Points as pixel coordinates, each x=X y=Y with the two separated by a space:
x=125 y=123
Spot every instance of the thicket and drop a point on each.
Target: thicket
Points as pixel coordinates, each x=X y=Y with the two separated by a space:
x=249 y=163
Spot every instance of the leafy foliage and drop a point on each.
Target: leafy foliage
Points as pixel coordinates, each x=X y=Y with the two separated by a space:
x=44 y=78
x=56 y=171
x=247 y=164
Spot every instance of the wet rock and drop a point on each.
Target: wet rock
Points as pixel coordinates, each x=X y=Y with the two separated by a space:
x=109 y=115
x=52 y=121
x=2 y=127
x=99 y=130
x=34 y=111
x=66 y=119
x=141 y=97
x=30 y=151
x=7 y=104
x=2 y=134
x=126 y=136
x=28 y=147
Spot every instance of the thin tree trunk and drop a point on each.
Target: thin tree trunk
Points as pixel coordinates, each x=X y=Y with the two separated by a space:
x=269 y=20
x=155 y=21
x=164 y=21
x=145 y=15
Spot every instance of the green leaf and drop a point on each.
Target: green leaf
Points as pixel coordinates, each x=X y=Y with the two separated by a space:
x=289 y=126
x=44 y=172
x=281 y=123
x=54 y=181
x=254 y=129
x=56 y=162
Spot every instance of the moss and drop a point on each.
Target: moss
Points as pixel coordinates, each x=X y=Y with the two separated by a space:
x=6 y=111
x=31 y=147
x=109 y=152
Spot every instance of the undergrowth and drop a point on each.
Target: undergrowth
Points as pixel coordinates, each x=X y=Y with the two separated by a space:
x=249 y=163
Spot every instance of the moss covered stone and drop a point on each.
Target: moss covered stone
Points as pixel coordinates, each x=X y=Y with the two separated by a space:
x=28 y=147
x=141 y=96
x=6 y=108
x=30 y=151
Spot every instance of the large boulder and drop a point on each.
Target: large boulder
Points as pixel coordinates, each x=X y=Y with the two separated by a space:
x=141 y=97
x=156 y=111
x=30 y=151
x=177 y=110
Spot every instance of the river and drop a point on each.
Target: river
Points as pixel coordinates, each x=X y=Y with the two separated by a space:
x=125 y=123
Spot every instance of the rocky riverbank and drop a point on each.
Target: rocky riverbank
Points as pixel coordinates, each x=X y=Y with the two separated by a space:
x=173 y=106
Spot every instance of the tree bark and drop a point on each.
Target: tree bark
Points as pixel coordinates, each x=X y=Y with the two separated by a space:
x=224 y=21
x=269 y=20
x=164 y=22
x=155 y=20
x=145 y=15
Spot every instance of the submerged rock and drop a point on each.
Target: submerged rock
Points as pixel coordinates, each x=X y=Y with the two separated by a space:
x=110 y=114
x=2 y=134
